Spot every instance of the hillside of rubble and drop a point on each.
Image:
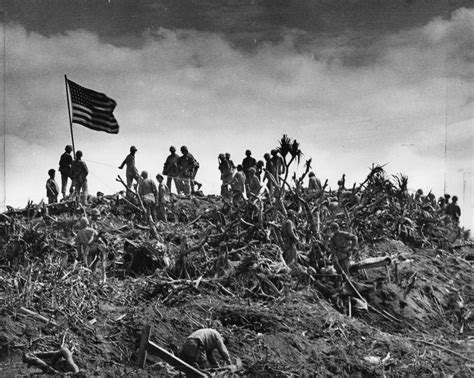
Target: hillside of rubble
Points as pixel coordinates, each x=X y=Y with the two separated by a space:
x=219 y=265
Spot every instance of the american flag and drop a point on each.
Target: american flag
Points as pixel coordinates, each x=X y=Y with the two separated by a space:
x=92 y=109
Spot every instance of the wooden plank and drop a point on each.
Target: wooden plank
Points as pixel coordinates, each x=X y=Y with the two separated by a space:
x=371 y=263
x=175 y=361
x=39 y=317
x=142 y=352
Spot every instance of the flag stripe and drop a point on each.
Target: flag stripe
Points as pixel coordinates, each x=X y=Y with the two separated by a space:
x=92 y=109
x=88 y=118
x=97 y=127
x=112 y=128
x=79 y=110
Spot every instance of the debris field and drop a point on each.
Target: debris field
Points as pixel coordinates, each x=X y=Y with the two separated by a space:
x=406 y=307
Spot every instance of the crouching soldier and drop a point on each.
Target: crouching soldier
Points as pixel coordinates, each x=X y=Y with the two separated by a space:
x=198 y=349
x=341 y=243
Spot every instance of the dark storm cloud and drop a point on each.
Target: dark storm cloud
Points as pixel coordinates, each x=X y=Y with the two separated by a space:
x=245 y=23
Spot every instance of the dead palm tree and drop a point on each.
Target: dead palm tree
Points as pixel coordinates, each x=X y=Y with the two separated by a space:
x=291 y=148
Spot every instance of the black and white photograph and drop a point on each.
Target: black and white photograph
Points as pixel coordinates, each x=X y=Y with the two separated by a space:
x=224 y=188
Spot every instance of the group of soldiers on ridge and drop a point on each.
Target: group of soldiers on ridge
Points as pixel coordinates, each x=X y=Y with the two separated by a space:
x=238 y=183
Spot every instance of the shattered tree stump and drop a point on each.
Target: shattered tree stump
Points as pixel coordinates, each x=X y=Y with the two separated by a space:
x=146 y=345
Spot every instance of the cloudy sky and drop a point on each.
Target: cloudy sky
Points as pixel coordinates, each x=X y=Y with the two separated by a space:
x=355 y=82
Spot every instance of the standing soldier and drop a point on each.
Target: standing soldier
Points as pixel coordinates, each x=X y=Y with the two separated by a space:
x=278 y=166
x=288 y=234
x=238 y=186
x=248 y=163
x=65 y=168
x=148 y=193
x=187 y=167
x=453 y=210
x=253 y=186
x=342 y=243
x=132 y=172
x=231 y=163
x=314 y=185
x=259 y=169
x=163 y=198
x=79 y=174
x=226 y=175
x=170 y=169
x=52 y=189
x=269 y=170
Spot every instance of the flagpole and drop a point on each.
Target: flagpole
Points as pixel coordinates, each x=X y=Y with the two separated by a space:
x=70 y=119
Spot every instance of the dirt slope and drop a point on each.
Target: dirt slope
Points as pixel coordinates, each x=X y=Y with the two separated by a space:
x=278 y=322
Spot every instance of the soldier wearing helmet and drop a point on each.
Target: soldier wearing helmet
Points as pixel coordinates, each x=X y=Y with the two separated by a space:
x=342 y=243
x=226 y=174
x=79 y=172
x=170 y=169
x=248 y=163
x=52 y=189
x=314 y=185
x=65 y=169
x=187 y=167
x=131 y=172
x=453 y=210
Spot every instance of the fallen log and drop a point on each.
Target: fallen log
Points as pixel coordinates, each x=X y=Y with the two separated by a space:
x=39 y=317
x=32 y=360
x=442 y=348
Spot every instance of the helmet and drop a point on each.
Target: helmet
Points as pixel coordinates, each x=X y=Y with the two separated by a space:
x=172 y=149
x=68 y=148
x=248 y=152
x=334 y=226
x=84 y=222
x=78 y=154
x=133 y=148
x=184 y=149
